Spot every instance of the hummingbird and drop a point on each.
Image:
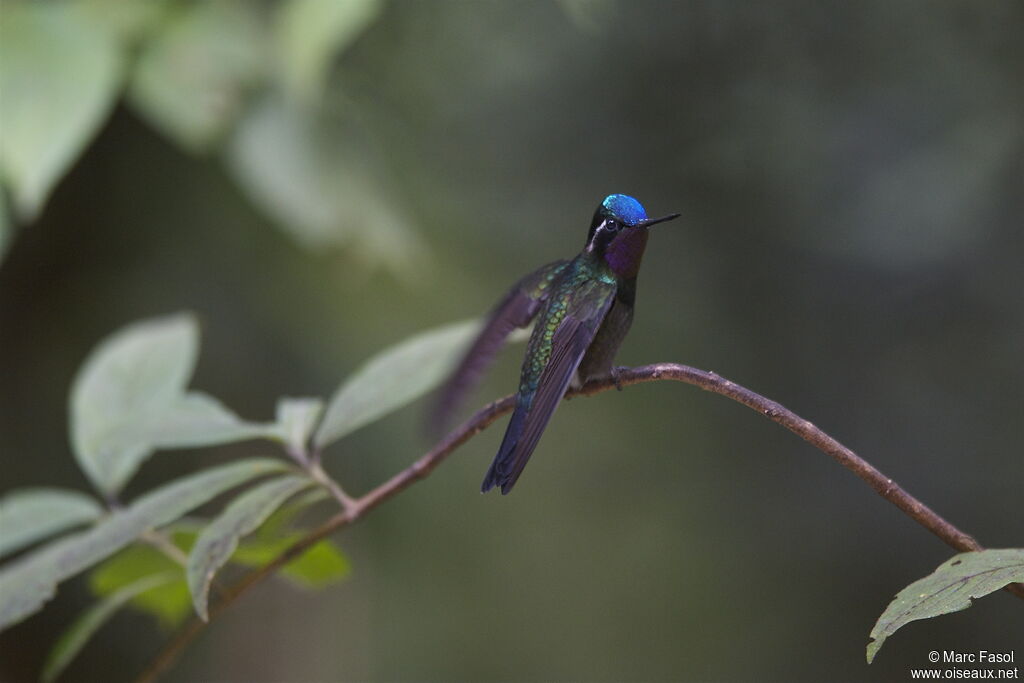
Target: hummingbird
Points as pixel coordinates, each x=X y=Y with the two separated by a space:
x=583 y=307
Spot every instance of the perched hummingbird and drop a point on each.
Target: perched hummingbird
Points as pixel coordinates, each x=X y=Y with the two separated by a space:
x=583 y=307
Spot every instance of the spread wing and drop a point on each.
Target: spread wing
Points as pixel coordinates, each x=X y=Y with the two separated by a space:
x=583 y=316
x=517 y=309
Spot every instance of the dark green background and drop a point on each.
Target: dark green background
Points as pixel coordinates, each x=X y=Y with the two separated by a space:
x=850 y=178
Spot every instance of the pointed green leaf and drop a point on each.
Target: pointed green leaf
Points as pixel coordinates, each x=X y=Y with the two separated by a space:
x=59 y=74
x=318 y=567
x=310 y=33
x=30 y=515
x=280 y=522
x=171 y=602
x=393 y=378
x=129 y=378
x=192 y=77
x=129 y=398
x=949 y=588
x=197 y=419
x=321 y=565
x=78 y=634
x=218 y=541
x=296 y=418
x=28 y=582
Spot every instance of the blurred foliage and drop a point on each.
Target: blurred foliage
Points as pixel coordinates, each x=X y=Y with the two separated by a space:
x=297 y=172
x=197 y=71
x=307 y=36
x=59 y=72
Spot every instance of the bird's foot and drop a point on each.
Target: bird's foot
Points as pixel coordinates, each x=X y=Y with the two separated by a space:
x=615 y=377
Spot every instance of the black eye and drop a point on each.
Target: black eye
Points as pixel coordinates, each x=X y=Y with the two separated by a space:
x=612 y=225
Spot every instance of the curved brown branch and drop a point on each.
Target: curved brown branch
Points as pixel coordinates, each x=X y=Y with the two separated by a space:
x=704 y=379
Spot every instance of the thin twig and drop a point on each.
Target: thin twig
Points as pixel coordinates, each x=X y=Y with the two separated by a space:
x=164 y=544
x=708 y=381
x=347 y=502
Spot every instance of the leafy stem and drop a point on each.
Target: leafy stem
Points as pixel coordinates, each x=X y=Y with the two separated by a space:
x=351 y=506
x=623 y=377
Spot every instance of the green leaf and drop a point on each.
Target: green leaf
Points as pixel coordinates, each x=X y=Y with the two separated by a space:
x=30 y=515
x=192 y=78
x=197 y=419
x=171 y=602
x=129 y=398
x=78 y=634
x=318 y=567
x=949 y=588
x=310 y=34
x=59 y=74
x=321 y=565
x=279 y=523
x=393 y=378
x=131 y=21
x=28 y=582
x=296 y=418
x=218 y=541
x=131 y=378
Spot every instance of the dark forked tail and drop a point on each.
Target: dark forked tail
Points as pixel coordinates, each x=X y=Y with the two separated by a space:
x=508 y=464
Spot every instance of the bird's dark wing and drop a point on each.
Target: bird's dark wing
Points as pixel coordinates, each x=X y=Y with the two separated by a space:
x=517 y=309
x=583 y=316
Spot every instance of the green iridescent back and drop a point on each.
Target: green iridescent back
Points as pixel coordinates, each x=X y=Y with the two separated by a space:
x=569 y=291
